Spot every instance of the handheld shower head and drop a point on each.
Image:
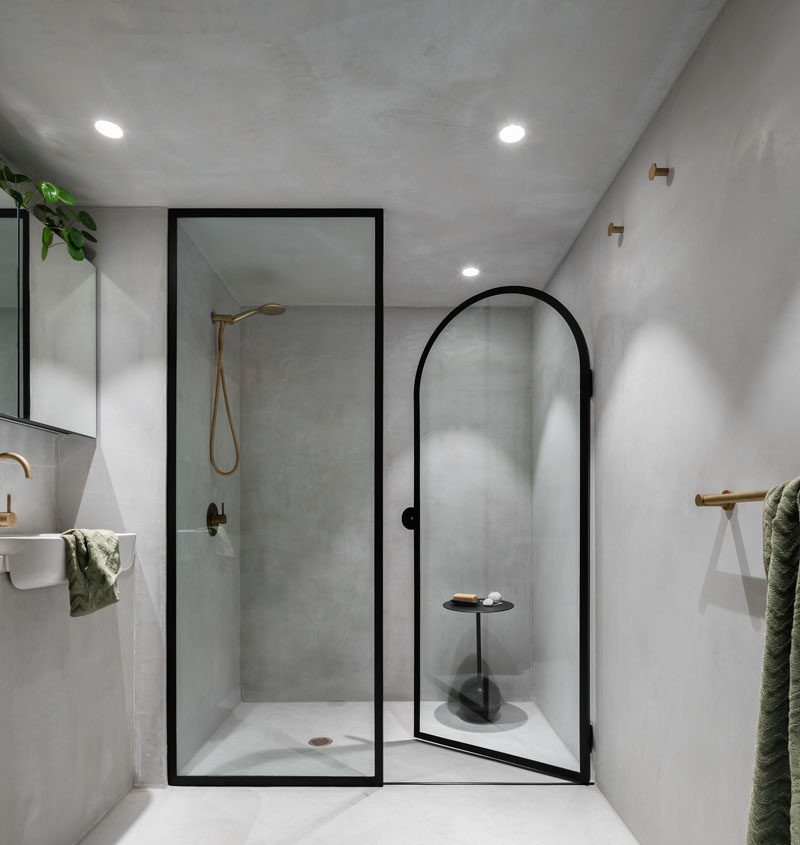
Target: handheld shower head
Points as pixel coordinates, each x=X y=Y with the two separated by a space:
x=270 y=309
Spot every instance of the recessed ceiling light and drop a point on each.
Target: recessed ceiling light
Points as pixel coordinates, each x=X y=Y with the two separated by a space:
x=511 y=134
x=109 y=129
x=470 y=271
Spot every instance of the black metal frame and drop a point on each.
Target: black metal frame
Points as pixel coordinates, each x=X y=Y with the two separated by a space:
x=584 y=775
x=172 y=277
x=23 y=305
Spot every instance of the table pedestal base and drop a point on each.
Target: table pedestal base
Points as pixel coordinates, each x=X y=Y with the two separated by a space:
x=479 y=699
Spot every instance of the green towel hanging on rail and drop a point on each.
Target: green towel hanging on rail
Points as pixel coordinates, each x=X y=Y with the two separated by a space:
x=93 y=563
x=775 y=802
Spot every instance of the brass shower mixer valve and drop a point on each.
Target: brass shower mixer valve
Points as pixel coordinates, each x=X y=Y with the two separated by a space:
x=8 y=519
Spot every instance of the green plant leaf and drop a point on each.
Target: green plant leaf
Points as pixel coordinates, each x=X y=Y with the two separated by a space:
x=16 y=178
x=46 y=215
x=49 y=191
x=47 y=236
x=75 y=252
x=89 y=237
x=27 y=197
x=16 y=196
x=87 y=220
x=45 y=247
x=64 y=213
x=65 y=196
x=75 y=237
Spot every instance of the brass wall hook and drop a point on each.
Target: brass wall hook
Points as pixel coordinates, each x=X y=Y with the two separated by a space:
x=615 y=230
x=655 y=170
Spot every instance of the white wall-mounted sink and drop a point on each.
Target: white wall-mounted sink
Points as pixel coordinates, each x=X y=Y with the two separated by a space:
x=37 y=560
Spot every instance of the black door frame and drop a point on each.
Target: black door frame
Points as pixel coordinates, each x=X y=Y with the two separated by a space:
x=584 y=774
x=173 y=778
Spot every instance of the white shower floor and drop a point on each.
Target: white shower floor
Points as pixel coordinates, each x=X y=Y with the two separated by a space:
x=271 y=738
x=394 y=815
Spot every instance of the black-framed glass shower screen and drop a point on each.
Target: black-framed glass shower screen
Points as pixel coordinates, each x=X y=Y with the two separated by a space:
x=274 y=522
x=501 y=407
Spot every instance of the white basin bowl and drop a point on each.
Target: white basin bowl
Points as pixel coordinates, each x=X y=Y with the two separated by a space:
x=38 y=560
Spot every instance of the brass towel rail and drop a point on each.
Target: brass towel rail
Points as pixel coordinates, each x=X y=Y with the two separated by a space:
x=727 y=500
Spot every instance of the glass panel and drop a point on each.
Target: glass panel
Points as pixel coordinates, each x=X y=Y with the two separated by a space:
x=499 y=406
x=275 y=625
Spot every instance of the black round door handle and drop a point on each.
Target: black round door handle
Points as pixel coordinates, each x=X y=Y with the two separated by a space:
x=409 y=519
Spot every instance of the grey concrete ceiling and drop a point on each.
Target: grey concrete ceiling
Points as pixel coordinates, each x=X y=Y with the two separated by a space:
x=379 y=103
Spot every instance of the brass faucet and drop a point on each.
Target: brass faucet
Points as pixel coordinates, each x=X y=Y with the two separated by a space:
x=8 y=519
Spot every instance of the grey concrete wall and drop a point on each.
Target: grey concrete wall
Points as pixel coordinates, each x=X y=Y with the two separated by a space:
x=692 y=318
x=476 y=492
x=67 y=684
x=555 y=527
x=208 y=568
x=406 y=331
x=308 y=505
x=9 y=353
x=81 y=719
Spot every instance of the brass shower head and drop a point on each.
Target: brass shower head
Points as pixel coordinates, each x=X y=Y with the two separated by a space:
x=270 y=309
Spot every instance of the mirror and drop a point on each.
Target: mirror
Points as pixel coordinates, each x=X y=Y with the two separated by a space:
x=10 y=316
x=47 y=331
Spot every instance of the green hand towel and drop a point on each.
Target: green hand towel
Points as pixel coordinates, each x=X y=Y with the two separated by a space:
x=775 y=802
x=92 y=568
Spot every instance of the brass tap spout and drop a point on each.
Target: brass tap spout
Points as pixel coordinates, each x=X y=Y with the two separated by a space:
x=13 y=456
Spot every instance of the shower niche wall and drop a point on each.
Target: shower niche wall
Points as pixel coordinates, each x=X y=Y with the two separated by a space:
x=274 y=631
x=501 y=419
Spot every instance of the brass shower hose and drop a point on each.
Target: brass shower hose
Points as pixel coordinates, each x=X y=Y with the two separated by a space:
x=221 y=378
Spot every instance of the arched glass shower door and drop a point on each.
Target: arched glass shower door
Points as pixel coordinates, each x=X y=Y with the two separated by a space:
x=501 y=404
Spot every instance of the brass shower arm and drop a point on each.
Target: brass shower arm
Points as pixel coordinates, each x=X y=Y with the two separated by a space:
x=271 y=309
x=245 y=314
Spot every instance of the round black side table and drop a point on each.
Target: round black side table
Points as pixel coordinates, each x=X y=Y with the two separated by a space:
x=479 y=698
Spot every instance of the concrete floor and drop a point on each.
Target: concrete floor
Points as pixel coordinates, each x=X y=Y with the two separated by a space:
x=392 y=815
x=528 y=808
x=271 y=738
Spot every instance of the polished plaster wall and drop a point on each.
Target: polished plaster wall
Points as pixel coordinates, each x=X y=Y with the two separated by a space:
x=83 y=699
x=207 y=568
x=308 y=513
x=546 y=591
x=476 y=499
x=307 y=499
x=9 y=393
x=555 y=523
x=692 y=319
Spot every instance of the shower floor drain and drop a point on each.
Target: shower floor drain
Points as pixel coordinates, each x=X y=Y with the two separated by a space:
x=317 y=741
